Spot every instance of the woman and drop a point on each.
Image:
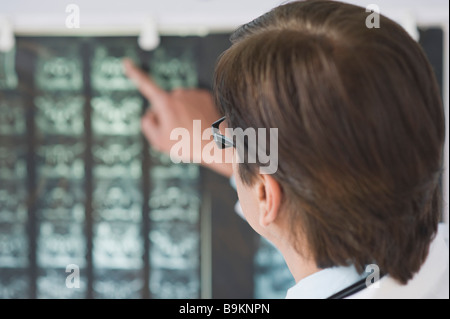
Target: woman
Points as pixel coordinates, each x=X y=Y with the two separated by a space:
x=360 y=144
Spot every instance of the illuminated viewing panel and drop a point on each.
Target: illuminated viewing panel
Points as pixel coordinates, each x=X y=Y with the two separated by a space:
x=80 y=186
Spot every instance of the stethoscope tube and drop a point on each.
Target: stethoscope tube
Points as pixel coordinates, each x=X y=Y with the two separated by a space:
x=353 y=289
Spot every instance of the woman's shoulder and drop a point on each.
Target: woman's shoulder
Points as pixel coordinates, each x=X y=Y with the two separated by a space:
x=432 y=280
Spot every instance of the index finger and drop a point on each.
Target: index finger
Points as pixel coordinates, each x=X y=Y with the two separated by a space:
x=144 y=82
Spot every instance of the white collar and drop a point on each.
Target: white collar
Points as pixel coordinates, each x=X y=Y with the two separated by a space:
x=324 y=283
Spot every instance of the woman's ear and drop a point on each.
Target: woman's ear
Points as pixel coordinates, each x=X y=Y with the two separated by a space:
x=269 y=196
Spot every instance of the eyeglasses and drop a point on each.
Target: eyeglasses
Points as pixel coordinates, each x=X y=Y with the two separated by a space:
x=221 y=140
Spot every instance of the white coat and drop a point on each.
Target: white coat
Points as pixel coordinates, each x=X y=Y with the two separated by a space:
x=431 y=282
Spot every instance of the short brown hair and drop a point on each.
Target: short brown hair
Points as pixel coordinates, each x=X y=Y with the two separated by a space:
x=360 y=130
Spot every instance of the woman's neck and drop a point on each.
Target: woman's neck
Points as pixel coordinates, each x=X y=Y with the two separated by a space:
x=299 y=266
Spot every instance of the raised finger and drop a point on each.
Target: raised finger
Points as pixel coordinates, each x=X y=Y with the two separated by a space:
x=146 y=85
